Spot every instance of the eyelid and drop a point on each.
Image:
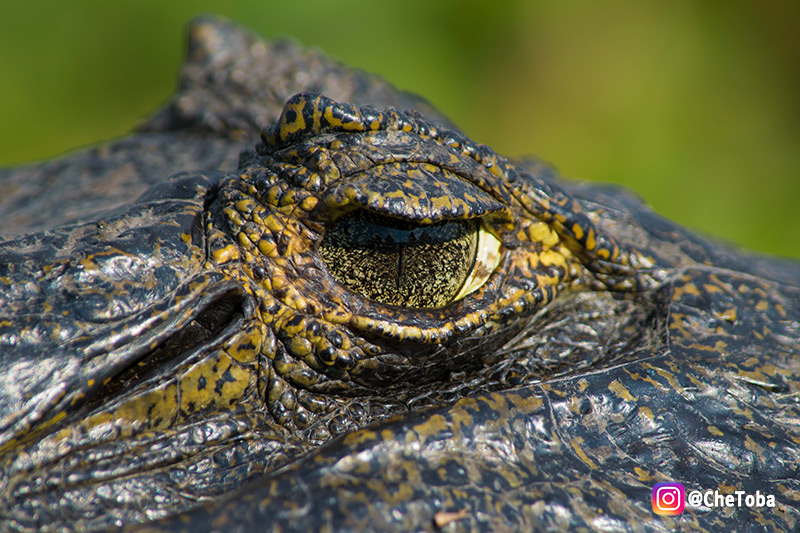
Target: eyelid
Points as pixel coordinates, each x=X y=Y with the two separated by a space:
x=416 y=192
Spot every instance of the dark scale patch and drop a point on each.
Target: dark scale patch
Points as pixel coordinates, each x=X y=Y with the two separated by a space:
x=451 y=473
x=225 y=378
x=291 y=116
x=246 y=347
x=345 y=361
x=585 y=406
x=295 y=321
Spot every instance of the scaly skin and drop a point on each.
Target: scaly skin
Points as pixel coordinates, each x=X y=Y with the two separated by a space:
x=192 y=357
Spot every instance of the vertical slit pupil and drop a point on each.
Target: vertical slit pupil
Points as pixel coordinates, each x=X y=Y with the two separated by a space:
x=398 y=262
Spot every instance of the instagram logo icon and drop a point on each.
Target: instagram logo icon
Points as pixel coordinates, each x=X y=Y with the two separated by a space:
x=668 y=499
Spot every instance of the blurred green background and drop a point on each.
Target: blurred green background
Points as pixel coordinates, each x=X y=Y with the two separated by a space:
x=692 y=104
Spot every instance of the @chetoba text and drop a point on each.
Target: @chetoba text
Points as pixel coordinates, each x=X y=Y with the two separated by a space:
x=671 y=499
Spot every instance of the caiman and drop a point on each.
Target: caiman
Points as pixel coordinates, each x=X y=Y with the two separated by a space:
x=299 y=299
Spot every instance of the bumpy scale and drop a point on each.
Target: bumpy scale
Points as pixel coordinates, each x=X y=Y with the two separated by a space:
x=525 y=352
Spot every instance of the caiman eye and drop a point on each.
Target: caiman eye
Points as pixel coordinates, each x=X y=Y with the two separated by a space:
x=404 y=263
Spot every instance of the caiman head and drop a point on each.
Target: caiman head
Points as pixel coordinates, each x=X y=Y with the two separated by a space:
x=360 y=264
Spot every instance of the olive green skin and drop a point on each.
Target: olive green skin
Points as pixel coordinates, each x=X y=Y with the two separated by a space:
x=172 y=359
